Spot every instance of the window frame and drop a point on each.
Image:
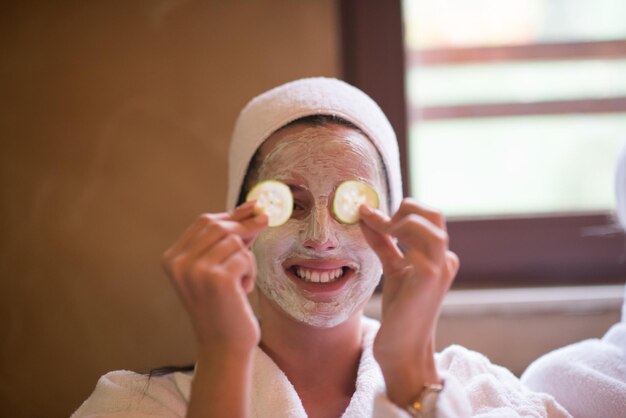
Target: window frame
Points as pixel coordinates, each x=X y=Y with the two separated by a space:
x=555 y=249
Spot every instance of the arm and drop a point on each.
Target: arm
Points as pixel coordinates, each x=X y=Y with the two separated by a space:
x=419 y=269
x=475 y=387
x=221 y=384
x=212 y=269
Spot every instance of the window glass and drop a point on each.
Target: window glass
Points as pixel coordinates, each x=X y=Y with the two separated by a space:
x=516 y=165
x=523 y=82
x=515 y=135
x=462 y=23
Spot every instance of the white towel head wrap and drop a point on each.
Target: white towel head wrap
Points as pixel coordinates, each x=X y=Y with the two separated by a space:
x=272 y=110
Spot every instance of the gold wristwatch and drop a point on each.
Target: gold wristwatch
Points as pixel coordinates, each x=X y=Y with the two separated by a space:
x=425 y=402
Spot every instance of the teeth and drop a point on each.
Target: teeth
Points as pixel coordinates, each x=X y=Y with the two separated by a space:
x=318 y=277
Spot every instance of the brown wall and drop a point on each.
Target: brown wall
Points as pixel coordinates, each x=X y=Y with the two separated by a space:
x=114 y=124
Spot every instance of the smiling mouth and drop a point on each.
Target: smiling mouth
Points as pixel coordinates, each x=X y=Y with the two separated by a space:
x=310 y=275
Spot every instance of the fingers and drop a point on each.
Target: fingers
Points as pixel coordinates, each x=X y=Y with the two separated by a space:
x=374 y=218
x=247 y=222
x=239 y=213
x=381 y=243
x=417 y=233
x=250 y=228
x=219 y=252
x=208 y=228
x=411 y=206
x=223 y=249
x=241 y=264
x=244 y=211
x=210 y=240
x=212 y=269
x=428 y=269
x=226 y=264
x=189 y=235
x=204 y=240
x=415 y=226
x=421 y=237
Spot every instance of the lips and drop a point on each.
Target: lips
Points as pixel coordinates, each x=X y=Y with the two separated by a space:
x=318 y=276
x=320 y=272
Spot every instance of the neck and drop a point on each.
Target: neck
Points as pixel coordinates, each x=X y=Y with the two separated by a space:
x=311 y=357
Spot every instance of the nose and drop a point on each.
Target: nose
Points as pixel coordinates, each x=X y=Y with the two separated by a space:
x=319 y=234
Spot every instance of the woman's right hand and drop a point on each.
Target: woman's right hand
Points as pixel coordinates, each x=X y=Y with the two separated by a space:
x=213 y=269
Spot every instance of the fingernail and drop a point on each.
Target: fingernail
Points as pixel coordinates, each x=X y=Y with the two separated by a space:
x=365 y=210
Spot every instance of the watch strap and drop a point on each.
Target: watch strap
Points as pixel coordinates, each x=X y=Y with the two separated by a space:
x=425 y=402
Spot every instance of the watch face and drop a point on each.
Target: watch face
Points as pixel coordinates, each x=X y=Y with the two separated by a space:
x=426 y=404
x=429 y=402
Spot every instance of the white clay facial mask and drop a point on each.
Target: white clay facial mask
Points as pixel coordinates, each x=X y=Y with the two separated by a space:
x=315 y=268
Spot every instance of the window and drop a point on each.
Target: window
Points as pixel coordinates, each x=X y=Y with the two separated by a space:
x=524 y=172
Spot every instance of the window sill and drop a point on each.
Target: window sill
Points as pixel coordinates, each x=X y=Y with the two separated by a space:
x=513 y=327
x=525 y=301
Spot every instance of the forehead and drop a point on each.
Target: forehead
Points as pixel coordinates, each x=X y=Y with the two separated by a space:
x=330 y=150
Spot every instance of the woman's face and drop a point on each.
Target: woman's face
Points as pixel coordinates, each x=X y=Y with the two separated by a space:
x=314 y=268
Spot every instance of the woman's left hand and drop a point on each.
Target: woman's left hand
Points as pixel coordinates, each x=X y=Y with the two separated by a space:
x=418 y=269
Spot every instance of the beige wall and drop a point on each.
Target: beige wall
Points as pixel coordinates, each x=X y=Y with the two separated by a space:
x=114 y=122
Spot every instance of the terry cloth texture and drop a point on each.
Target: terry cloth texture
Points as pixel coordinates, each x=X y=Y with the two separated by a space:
x=588 y=378
x=473 y=388
x=272 y=110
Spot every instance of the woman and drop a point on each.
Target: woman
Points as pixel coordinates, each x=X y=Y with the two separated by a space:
x=308 y=350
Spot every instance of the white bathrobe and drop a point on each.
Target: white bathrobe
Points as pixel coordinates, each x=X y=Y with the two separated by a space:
x=589 y=377
x=473 y=388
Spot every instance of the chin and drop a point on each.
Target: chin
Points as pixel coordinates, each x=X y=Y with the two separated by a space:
x=327 y=314
x=324 y=321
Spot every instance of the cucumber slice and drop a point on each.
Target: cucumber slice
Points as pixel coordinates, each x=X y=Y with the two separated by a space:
x=274 y=199
x=349 y=196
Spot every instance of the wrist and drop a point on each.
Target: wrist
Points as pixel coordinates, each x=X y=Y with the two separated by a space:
x=406 y=378
x=224 y=356
x=222 y=382
x=223 y=345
